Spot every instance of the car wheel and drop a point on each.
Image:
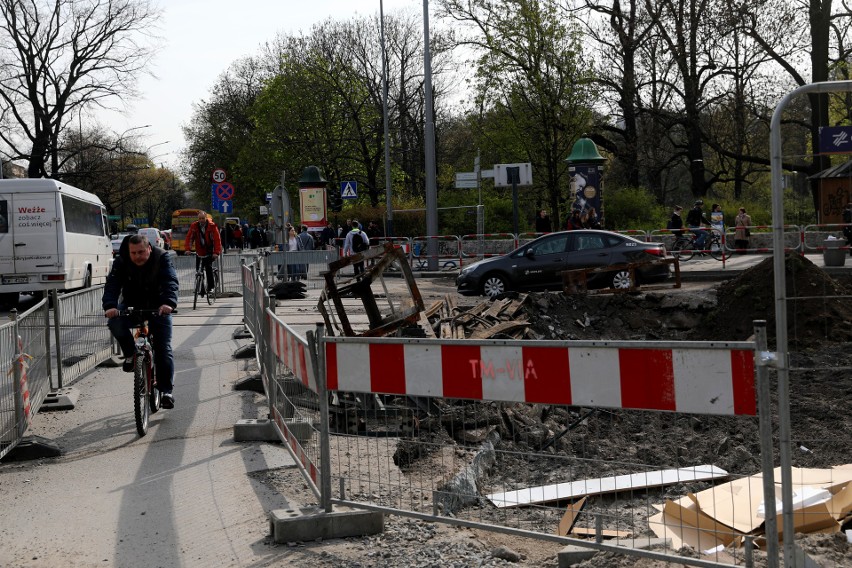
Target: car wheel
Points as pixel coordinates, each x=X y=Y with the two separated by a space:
x=494 y=285
x=621 y=280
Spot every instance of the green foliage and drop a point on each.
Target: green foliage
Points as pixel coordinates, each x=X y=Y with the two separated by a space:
x=633 y=208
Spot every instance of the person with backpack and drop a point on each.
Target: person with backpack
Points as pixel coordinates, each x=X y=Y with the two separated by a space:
x=694 y=220
x=675 y=224
x=356 y=242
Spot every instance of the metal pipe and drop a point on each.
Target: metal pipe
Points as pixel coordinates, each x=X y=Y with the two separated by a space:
x=775 y=151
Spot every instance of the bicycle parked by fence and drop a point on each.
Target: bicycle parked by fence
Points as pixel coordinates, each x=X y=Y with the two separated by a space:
x=146 y=396
x=201 y=283
x=684 y=247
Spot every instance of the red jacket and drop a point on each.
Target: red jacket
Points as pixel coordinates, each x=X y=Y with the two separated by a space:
x=212 y=242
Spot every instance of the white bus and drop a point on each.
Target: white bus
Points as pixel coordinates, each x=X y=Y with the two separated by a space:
x=53 y=236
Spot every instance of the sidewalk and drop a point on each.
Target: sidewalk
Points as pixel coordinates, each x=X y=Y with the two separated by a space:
x=183 y=495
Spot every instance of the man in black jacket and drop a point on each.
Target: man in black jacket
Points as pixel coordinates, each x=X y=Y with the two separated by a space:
x=694 y=219
x=144 y=278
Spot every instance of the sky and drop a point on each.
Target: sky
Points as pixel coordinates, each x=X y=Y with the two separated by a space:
x=200 y=39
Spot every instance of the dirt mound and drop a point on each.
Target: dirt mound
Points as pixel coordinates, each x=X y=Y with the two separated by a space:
x=819 y=308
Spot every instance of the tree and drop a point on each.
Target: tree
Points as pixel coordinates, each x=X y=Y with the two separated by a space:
x=531 y=81
x=60 y=58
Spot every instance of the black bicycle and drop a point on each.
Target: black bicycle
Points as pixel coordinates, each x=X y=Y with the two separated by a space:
x=146 y=396
x=684 y=248
x=200 y=283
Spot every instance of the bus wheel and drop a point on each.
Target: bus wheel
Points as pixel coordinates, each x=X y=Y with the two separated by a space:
x=87 y=281
x=9 y=299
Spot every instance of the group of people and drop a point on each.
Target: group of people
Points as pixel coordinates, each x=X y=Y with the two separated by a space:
x=696 y=221
x=587 y=219
x=236 y=236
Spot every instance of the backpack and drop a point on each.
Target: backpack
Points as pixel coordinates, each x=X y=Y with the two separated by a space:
x=358 y=244
x=693 y=218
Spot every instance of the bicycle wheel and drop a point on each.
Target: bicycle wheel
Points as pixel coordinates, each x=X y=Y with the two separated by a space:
x=198 y=284
x=140 y=395
x=682 y=250
x=153 y=391
x=716 y=249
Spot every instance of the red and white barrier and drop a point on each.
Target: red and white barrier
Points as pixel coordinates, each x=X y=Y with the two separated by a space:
x=292 y=351
x=707 y=380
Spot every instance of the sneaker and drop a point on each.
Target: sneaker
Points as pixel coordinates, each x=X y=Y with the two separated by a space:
x=127 y=365
x=167 y=401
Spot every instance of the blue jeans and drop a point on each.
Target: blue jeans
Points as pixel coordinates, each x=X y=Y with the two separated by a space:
x=160 y=328
x=701 y=237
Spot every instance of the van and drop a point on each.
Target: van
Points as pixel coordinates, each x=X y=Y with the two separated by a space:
x=153 y=236
x=53 y=236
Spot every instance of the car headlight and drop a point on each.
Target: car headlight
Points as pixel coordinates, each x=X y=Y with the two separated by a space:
x=468 y=269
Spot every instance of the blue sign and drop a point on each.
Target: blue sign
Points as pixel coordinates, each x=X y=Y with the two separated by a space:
x=835 y=139
x=349 y=190
x=218 y=204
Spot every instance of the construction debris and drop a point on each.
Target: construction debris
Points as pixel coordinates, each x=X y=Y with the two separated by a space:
x=502 y=318
x=400 y=312
x=723 y=515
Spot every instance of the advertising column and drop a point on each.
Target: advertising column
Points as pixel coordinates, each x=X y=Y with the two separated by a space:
x=585 y=166
x=312 y=199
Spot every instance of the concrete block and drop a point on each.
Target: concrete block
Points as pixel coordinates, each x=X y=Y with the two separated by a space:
x=311 y=523
x=245 y=352
x=253 y=383
x=254 y=430
x=60 y=399
x=302 y=431
x=572 y=555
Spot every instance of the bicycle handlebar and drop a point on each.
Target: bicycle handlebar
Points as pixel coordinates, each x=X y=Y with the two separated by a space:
x=131 y=311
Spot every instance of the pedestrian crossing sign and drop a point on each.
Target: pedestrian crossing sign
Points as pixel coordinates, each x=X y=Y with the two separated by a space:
x=349 y=189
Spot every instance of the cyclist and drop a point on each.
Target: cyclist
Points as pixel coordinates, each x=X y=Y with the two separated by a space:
x=694 y=220
x=144 y=278
x=203 y=236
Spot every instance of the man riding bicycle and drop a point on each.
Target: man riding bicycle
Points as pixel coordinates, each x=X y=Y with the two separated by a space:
x=145 y=279
x=694 y=219
x=203 y=236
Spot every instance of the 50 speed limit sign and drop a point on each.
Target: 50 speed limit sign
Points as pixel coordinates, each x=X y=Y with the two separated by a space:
x=219 y=175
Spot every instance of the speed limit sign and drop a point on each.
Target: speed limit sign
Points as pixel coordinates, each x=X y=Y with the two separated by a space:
x=219 y=175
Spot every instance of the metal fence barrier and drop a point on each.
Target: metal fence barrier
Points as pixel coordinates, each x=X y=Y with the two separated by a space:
x=25 y=378
x=82 y=337
x=470 y=432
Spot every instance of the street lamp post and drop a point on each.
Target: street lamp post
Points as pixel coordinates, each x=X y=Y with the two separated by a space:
x=429 y=146
x=389 y=228
x=121 y=173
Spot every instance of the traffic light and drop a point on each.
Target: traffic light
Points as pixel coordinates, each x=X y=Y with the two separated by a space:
x=335 y=202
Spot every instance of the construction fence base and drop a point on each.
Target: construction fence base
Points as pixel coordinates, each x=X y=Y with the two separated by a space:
x=311 y=523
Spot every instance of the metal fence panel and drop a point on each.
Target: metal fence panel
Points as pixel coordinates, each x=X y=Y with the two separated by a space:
x=25 y=380
x=83 y=338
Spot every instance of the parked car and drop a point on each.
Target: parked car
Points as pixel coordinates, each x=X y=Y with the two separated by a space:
x=116 y=241
x=154 y=236
x=539 y=263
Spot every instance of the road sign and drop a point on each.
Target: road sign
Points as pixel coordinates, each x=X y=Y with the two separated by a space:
x=224 y=191
x=501 y=179
x=835 y=139
x=223 y=206
x=466 y=180
x=218 y=175
x=349 y=189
